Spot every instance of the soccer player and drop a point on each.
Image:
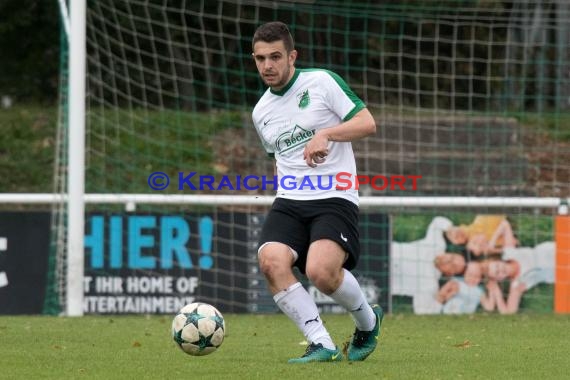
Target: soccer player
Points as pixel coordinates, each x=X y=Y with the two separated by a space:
x=306 y=120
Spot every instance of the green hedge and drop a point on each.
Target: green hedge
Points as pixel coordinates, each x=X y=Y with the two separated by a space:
x=27 y=149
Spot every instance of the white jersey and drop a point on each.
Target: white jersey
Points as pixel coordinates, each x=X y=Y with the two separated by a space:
x=286 y=120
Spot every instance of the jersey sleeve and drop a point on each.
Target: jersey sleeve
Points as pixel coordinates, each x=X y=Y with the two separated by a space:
x=343 y=101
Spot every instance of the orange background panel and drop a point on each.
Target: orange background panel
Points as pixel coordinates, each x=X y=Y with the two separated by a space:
x=562 y=282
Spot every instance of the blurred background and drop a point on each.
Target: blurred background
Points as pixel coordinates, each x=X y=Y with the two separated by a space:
x=29 y=81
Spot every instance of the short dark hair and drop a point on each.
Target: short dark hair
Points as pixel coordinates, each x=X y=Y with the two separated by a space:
x=274 y=31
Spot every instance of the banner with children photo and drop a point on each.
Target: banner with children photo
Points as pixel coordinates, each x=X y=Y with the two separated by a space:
x=461 y=264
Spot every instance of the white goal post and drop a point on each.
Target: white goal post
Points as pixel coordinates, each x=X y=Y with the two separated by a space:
x=130 y=201
x=75 y=27
x=75 y=273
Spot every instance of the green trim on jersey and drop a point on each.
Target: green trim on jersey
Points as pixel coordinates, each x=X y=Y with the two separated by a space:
x=287 y=86
x=354 y=111
x=358 y=103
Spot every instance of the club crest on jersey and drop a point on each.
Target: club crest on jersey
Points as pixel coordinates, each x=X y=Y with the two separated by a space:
x=291 y=139
x=303 y=99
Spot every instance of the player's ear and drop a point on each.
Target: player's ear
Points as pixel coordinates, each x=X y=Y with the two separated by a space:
x=292 y=56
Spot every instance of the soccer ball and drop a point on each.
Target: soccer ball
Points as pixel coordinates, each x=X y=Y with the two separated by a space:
x=198 y=329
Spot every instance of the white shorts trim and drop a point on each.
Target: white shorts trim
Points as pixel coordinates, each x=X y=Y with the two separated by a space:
x=293 y=252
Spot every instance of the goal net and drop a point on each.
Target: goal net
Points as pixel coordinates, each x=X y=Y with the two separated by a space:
x=472 y=96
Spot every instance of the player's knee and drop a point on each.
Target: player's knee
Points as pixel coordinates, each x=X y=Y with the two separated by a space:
x=323 y=278
x=273 y=263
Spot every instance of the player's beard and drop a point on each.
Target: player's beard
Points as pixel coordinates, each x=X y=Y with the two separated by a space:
x=283 y=79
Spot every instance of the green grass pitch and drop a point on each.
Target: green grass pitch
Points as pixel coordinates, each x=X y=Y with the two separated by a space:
x=482 y=346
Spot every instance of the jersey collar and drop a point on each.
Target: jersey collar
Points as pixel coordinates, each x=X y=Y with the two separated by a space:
x=288 y=85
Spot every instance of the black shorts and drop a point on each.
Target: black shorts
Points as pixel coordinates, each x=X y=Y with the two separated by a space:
x=299 y=223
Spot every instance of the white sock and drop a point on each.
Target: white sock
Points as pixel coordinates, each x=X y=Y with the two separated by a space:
x=350 y=296
x=300 y=307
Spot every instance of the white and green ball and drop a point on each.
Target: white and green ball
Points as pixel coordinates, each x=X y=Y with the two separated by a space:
x=198 y=329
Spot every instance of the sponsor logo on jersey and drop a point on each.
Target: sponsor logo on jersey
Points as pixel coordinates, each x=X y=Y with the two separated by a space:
x=291 y=139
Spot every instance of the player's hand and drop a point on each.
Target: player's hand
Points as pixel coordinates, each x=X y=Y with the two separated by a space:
x=316 y=150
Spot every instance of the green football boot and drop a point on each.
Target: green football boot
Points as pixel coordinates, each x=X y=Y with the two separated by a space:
x=317 y=353
x=363 y=343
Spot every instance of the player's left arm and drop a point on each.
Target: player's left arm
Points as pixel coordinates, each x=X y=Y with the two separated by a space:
x=361 y=125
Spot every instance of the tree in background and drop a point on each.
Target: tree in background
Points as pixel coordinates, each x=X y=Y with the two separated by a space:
x=29 y=50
